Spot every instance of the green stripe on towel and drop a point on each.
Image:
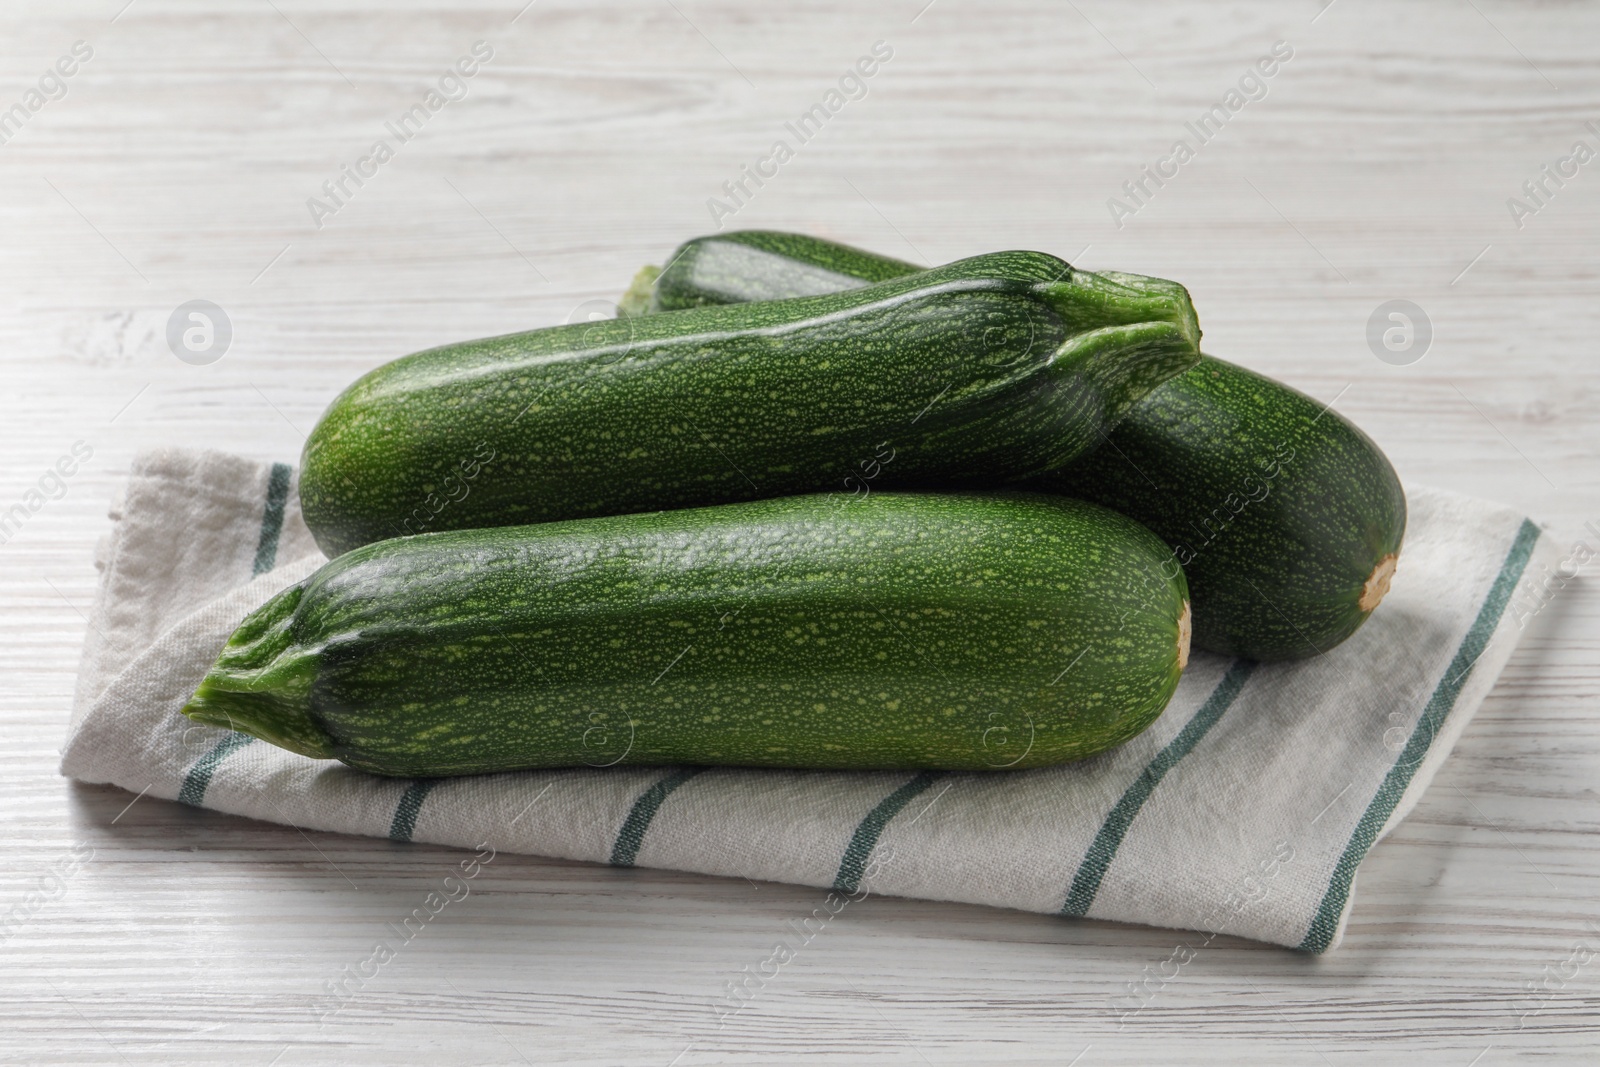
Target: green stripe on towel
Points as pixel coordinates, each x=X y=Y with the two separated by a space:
x=1326 y=923
x=405 y=813
x=1086 y=883
x=637 y=824
x=272 y=518
x=865 y=839
x=198 y=779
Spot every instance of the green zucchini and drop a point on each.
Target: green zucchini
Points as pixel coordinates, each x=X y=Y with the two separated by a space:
x=981 y=371
x=900 y=630
x=984 y=371
x=749 y=265
x=1286 y=517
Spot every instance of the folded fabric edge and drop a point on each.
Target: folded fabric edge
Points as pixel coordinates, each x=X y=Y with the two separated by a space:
x=219 y=616
x=182 y=471
x=1477 y=663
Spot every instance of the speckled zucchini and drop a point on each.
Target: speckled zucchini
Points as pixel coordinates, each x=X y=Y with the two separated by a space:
x=748 y=265
x=984 y=371
x=1286 y=517
x=901 y=630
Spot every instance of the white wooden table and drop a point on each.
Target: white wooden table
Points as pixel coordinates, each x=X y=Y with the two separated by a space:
x=1377 y=166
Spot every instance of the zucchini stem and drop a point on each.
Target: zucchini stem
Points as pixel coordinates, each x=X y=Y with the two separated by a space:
x=1088 y=301
x=1128 y=334
x=261 y=683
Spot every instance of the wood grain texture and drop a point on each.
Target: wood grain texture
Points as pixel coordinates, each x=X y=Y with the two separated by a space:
x=1377 y=166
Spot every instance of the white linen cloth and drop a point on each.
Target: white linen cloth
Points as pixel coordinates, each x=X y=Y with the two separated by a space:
x=1245 y=809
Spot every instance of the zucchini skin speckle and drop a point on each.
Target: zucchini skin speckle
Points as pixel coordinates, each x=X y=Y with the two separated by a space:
x=900 y=630
x=982 y=372
x=1285 y=516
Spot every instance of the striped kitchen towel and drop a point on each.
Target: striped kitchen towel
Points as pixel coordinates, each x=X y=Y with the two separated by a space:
x=1245 y=809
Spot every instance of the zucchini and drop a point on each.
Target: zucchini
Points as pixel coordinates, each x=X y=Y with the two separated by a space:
x=901 y=630
x=1286 y=517
x=748 y=265
x=983 y=372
